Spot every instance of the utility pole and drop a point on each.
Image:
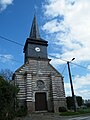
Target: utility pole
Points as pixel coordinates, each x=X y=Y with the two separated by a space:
x=72 y=90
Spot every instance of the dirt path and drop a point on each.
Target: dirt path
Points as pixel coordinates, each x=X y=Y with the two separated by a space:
x=42 y=116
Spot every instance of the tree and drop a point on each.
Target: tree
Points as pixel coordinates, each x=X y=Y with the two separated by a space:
x=70 y=101
x=6 y=74
x=79 y=100
x=7 y=98
x=87 y=103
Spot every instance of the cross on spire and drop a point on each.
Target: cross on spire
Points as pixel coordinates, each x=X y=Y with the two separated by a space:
x=34 y=33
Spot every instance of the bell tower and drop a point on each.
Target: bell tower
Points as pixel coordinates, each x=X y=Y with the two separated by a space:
x=35 y=47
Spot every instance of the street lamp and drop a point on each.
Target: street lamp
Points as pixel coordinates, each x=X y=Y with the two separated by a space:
x=72 y=90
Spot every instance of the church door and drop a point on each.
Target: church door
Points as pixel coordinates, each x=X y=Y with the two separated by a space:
x=40 y=101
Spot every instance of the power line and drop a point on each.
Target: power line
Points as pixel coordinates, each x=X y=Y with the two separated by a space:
x=63 y=69
x=80 y=66
x=9 y=40
x=70 y=62
x=1 y=56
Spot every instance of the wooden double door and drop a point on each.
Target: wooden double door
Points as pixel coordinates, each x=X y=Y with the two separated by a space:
x=40 y=101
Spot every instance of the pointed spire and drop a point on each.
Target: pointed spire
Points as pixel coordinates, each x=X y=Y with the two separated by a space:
x=34 y=33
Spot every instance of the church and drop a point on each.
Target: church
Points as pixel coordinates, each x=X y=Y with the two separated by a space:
x=41 y=85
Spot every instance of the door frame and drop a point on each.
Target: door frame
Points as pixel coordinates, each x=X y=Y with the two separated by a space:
x=46 y=102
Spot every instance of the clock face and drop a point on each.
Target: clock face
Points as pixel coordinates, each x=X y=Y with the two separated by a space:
x=37 y=49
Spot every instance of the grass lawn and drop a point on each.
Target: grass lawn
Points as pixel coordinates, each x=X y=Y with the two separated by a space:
x=79 y=112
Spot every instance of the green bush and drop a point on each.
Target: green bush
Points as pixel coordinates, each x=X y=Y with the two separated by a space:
x=22 y=111
x=62 y=109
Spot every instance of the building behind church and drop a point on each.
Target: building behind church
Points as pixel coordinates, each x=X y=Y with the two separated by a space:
x=41 y=85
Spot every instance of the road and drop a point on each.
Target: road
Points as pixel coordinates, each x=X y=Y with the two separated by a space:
x=80 y=118
x=52 y=117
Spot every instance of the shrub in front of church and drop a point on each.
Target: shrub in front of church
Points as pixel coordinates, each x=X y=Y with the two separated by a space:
x=21 y=111
x=62 y=109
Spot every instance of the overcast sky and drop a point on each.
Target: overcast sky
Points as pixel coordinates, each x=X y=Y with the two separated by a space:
x=65 y=24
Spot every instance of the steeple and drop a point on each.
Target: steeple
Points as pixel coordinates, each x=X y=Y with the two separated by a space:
x=35 y=45
x=34 y=33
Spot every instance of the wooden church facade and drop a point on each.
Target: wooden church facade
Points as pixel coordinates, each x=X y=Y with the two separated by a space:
x=41 y=85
